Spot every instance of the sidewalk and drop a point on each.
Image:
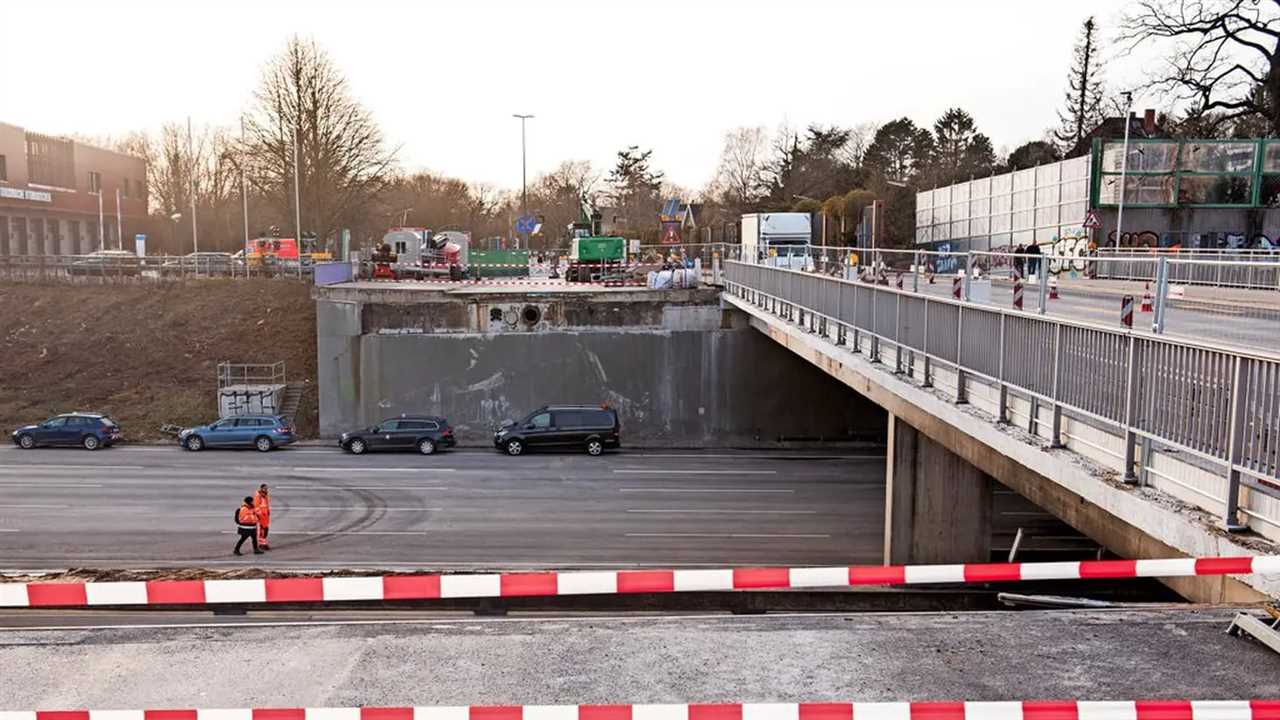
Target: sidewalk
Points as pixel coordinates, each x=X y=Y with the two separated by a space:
x=1213 y=298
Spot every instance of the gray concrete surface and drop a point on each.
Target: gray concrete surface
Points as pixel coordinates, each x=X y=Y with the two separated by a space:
x=148 y=507
x=709 y=388
x=446 y=661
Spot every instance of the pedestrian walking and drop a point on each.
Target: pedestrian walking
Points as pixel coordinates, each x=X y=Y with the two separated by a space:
x=1019 y=262
x=262 y=505
x=247 y=526
x=1033 y=262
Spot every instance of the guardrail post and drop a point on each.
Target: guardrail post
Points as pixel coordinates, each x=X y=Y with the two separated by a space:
x=1042 y=277
x=962 y=395
x=1003 y=416
x=915 y=272
x=853 y=322
x=968 y=273
x=1235 y=445
x=897 y=334
x=874 y=355
x=1162 y=294
x=1055 y=439
x=1130 y=409
x=927 y=380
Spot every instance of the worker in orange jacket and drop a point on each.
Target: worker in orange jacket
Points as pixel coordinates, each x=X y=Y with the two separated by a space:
x=247 y=526
x=262 y=504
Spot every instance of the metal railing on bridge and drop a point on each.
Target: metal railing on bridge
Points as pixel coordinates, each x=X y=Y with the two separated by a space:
x=1216 y=406
x=1253 y=269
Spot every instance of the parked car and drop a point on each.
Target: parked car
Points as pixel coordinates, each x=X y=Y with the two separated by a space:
x=108 y=263
x=264 y=432
x=589 y=427
x=203 y=263
x=425 y=433
x=87 y=430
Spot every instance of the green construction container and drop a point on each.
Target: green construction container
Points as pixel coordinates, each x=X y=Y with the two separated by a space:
x=598 y=249
x=499 y=263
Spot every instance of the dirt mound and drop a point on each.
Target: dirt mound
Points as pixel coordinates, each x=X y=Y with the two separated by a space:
x=147 y=354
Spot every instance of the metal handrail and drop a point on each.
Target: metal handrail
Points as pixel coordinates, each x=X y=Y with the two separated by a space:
x=1226 y=417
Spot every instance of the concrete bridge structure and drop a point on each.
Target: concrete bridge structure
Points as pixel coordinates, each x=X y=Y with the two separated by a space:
x=1152 y=446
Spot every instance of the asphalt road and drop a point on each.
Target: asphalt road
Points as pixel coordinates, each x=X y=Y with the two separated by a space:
x=149 y=507
x=1231 y=325
x=434 y=660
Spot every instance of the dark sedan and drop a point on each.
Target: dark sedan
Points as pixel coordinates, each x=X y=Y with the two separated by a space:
x=87 y=430
x=424 y=433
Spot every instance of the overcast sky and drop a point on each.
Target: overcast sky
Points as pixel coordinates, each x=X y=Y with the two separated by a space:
x=443 y=78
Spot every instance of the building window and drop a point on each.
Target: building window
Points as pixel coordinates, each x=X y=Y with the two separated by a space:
x=4 y=170
x=95 y=182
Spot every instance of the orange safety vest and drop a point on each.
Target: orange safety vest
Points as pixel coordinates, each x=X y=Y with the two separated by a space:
x=262 y=504
x=247 y=517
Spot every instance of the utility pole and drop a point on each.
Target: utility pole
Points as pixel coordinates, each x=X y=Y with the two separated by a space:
x=191 y=171
x=244 y=193
x=1124 y=163
x=524 y=190
x=297 y=195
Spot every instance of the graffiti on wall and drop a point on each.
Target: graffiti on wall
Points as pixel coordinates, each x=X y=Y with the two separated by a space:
x=1134 y=239
x=1070 y=253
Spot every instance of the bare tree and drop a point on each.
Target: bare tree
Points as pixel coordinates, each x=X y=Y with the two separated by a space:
x=740 y=179
x=1223 y=62
x=303 y=101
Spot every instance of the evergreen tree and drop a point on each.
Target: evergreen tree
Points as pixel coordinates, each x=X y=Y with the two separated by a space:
x=1083 y=109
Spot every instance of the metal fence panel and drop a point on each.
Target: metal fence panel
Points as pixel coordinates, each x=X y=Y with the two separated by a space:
x=980 y=346
x=1094 y=371
x=943 y=327
x=1261 y=446
x=914 y=308
x=1028 y=347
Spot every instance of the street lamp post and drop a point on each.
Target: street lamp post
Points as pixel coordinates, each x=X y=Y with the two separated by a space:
x=1124 y=163
x=524 y=190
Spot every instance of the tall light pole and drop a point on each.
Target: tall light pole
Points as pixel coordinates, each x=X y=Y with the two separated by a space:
x=191 y=171
x=1124 y=163
x=524 y=190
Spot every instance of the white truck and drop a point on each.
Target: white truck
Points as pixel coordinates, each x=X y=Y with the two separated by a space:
x=777 y=239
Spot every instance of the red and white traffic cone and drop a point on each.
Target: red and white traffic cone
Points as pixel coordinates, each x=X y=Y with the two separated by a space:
x=1053 y=288
x=1148 y=302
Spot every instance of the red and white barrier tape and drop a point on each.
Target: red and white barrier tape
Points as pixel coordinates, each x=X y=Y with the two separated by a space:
x=426 y=587
x=1016 y=710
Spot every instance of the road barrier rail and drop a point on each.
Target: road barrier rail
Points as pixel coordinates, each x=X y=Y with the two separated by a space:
x=547 y=584
x=1214 y=407
x=1257 y=709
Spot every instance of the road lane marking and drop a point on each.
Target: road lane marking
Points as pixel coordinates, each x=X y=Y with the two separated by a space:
x=724 y=512
x=286 y=508
x=359 y=487
x=707 y=490
x=729 y=535
x=338 y=532
x=37 y=466
x=8 y=530
x=49 y=484
x=34 y=507
x=696 y=472
x=369 y=469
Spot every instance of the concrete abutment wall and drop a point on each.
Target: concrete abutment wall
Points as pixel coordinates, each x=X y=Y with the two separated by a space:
x=937 y=505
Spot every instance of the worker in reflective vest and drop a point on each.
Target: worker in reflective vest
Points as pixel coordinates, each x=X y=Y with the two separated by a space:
x=247 y=526
x=262 y=504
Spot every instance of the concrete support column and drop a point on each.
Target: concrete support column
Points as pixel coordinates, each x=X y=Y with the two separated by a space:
x=338 y=331
x=937 y=505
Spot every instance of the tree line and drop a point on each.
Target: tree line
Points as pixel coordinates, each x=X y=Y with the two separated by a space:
x=1220 y=78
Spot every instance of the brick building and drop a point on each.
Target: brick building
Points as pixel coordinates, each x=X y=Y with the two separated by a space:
x=50 y=188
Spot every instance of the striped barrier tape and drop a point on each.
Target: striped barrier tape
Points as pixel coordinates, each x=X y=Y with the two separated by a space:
x=1015 y=710
x=545 y=584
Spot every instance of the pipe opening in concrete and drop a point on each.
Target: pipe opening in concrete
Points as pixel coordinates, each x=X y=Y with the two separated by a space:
x=532 y=314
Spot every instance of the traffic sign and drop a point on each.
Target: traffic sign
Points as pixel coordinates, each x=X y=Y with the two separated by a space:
x=1091 y=220
x=526 y=224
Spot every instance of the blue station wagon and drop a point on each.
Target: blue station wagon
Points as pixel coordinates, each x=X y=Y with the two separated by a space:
x=263 y=432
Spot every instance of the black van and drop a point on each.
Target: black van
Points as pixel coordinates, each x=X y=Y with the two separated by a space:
x=554 y=427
